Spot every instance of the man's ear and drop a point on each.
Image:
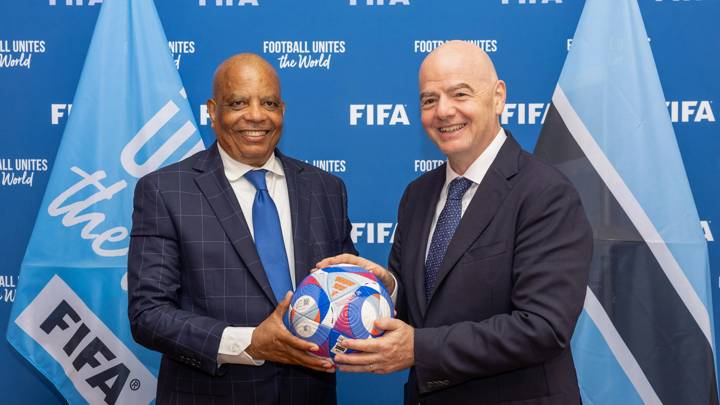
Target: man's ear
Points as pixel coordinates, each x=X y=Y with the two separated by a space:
x=211 y=110
x=499 y=96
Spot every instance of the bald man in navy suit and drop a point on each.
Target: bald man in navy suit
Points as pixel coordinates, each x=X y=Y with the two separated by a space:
x=490 y=258
x=210 y=269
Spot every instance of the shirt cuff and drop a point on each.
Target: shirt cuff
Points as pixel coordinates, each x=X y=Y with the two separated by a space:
x=233 y=343
x=393 y=294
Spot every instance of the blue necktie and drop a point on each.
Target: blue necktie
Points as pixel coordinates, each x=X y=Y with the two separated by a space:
x=444 y=229
x=268 y=236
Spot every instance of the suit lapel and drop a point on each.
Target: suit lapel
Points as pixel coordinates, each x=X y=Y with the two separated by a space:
x=298 y=193
x=216 y=189
x=487 y=200
x=419 y=233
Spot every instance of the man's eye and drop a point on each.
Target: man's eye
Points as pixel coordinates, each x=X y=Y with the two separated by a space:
x=461 y=94
x=428 y=101
x=271 y=105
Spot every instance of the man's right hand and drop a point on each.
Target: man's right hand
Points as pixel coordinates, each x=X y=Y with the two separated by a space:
x=383 y=275
x=272 y=341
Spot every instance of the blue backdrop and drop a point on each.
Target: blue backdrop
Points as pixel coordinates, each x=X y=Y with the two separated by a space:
x=349 y=74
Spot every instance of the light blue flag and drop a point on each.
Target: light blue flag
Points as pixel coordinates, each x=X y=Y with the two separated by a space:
x=130 y=116
x=646 y=334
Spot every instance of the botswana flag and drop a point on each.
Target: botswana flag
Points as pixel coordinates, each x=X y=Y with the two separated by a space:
x=645 y=334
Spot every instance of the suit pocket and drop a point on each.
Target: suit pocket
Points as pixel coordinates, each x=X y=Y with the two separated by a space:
x=484 y=251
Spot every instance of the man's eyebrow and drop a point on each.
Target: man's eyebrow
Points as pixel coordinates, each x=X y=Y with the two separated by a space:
x=233 y=95
x=427 y=94
x=461 y=86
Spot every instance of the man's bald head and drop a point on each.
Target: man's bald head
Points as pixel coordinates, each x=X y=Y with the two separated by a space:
x=248 y=62
x=460 y=54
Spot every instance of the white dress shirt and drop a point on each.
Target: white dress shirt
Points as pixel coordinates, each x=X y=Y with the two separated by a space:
x=475 y=173
x=235 y=340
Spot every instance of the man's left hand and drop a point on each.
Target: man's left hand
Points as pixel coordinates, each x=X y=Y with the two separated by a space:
x=391 y=352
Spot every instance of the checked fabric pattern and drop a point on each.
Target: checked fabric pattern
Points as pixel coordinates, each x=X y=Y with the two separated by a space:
x=448 y=221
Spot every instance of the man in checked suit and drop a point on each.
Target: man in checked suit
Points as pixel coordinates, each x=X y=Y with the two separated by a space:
x=218 y=241
x=491 y=257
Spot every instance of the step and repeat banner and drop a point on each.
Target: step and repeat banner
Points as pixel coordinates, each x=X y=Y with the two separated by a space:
x=348 y=70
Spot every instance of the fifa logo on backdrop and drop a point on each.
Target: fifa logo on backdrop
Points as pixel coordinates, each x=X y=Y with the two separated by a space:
x=373 y=232
x=524 y=113
x=76 y=2
x=18 y=53
x=691 y=111
x=58 y=111
x=220 y=3
x=378 y=114
x=379 y=2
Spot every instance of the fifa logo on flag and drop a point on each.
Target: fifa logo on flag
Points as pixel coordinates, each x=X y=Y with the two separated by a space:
x=97 y=363
x=376 y=114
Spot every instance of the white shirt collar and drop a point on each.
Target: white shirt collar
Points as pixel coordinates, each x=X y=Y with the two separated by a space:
x=477 y=170
x=235 y=170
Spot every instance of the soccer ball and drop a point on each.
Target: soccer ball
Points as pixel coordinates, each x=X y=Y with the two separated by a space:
x=337 y=303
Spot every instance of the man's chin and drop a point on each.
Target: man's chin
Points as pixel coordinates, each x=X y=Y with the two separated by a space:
x=256 y=159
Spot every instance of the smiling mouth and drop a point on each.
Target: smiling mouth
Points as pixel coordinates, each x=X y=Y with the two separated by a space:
x=452 y=128
x=254 y=133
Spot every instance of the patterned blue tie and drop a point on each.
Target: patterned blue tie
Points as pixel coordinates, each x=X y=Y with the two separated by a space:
x=444 y=229
x=268 y=236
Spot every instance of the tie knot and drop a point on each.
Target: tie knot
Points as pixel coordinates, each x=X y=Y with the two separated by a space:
x=257 y=178
x=458 y=187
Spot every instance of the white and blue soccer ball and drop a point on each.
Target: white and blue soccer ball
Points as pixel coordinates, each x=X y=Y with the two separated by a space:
x=337 y=303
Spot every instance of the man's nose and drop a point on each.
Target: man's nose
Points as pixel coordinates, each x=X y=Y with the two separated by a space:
x=445 y=108
x=255 y=113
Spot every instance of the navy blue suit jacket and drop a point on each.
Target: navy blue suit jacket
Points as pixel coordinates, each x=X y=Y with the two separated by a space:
x=193 y=270
x=498 y=324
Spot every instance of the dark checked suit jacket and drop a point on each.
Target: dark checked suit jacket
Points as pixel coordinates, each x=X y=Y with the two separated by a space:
x=193 y=270
x=498 y=324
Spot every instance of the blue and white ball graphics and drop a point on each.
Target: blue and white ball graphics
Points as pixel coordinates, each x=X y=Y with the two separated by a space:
x=336 y=303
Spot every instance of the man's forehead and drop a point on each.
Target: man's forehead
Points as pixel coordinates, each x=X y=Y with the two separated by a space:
x=245 y=73
x=450 y=83
x=253 y=83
